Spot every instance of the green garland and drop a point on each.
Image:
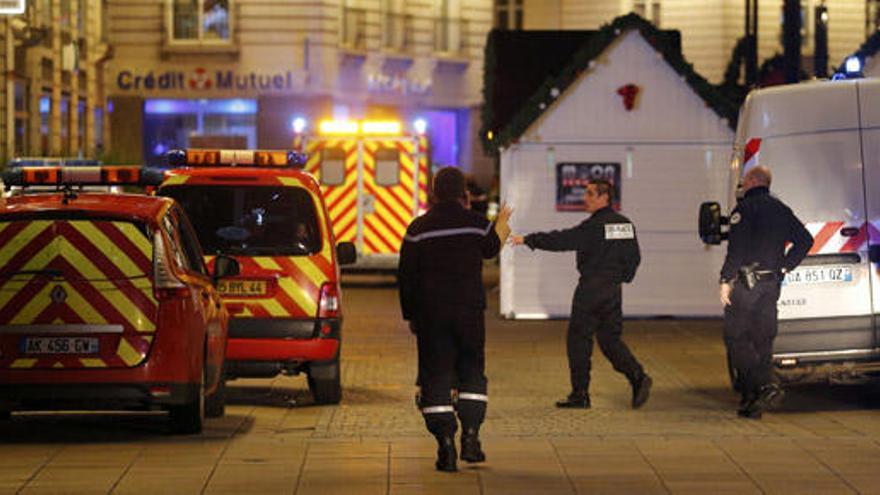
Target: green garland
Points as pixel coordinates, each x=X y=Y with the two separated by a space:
x=543 y=97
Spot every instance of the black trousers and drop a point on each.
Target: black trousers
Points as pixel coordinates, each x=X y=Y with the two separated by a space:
x=750 y=325
x=451 y=354
x=596 y=309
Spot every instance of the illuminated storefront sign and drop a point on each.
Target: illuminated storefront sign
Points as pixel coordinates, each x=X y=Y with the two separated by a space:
x=380 y=82
x=201 y=79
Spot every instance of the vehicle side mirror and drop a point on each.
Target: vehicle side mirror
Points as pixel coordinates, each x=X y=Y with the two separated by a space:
x=225 y=266
x=346 y=253
x=711 y=221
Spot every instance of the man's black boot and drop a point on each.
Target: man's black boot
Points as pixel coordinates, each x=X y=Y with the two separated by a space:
x=446 y=454
x=471 y=450
x=641 y=388
x=575 y=400
x=768 y=397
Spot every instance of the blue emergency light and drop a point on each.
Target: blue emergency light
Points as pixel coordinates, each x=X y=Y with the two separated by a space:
x=180 y=158
x=53 y=162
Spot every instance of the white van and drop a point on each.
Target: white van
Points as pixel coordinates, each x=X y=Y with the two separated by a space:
x=821 y=140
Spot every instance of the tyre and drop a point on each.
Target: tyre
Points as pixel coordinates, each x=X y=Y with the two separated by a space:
x=215 y=404
x=324 y=382
x=188 y=419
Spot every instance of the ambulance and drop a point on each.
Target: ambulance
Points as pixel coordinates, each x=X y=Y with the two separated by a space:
x=821 y=141
x=374 y=177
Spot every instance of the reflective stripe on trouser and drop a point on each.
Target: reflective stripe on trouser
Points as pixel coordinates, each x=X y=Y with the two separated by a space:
x=596 y=309
x=451 y=355
x=471 y=410
x=750 y=325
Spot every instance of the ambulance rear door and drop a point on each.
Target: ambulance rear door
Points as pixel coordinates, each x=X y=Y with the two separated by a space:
x=390 y=193
x=334 y=162
x=808 y=137
x=869 y=106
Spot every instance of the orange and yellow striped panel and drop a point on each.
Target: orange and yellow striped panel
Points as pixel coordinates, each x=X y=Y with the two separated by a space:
x=77 y=272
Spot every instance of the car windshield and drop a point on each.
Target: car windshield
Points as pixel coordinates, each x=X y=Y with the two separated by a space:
x=251 y=220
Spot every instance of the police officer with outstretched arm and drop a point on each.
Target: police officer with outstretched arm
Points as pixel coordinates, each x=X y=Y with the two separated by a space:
x=442 y=297
x=607 y=255
x=757 y=259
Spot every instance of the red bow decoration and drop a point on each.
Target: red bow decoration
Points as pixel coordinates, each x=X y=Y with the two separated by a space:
x=629 y=92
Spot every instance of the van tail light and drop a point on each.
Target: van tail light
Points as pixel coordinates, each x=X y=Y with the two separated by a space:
x=165 y=283
x=328 y=304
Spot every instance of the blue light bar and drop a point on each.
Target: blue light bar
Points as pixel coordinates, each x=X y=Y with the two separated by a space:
x=53 y=162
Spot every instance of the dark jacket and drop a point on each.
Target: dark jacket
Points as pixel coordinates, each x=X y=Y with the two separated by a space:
x=606 y=244
x=441 y=260
x=760 y=228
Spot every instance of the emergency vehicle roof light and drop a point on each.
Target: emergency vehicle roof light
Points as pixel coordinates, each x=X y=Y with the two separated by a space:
x=118 y=175
x=420 y=125
x=235 y=158
x=338 y=127
x=853 y=67
x=364 y=127
x=383 y=127
x=299 y=125
x=53 y=162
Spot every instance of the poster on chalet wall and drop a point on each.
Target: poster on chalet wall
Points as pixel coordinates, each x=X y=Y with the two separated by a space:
x=572 y=179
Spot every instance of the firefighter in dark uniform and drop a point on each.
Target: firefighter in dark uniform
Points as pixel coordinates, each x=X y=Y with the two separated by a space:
x=442 y=297
x=760 y=228
x=607 y=255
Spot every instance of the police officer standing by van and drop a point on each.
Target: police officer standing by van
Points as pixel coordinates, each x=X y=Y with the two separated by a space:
x=607 y=255
x=442 y=297
x=757 y=259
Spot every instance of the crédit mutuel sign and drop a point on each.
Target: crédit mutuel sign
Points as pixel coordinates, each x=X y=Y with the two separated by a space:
x=203 y=79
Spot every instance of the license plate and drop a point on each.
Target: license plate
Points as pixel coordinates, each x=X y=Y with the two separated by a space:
x=60 y=345
x=242 y=287
x=811 y=275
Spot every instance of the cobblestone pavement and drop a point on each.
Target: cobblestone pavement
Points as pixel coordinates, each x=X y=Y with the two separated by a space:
x=687 y=439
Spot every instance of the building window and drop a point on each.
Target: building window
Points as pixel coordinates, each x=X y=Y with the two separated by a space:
x=649 y=9
x=805 y=24
x=354 y=28
x=872 y=16
x=200 y=20
x=81 y=126
x=449 y=28
x=99 y=130
x=65 y=125
x=508 y=14
x=81 y=17
x=22 y=97
x=397 y=26
x=45 y=114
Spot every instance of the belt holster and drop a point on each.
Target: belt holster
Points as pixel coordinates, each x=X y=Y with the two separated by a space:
x=747 y=275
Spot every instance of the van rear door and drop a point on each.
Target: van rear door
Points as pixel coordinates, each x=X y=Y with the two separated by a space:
x=809 y=138
x=869 y=106
x=75 y=292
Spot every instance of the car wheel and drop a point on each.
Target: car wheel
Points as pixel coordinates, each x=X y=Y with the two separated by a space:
x=215 y=404
x=189 y=418
x=324 y=382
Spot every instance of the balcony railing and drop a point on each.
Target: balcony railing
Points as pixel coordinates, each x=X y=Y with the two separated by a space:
x=354 y=29
x=450 y=35
x=397 y=32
